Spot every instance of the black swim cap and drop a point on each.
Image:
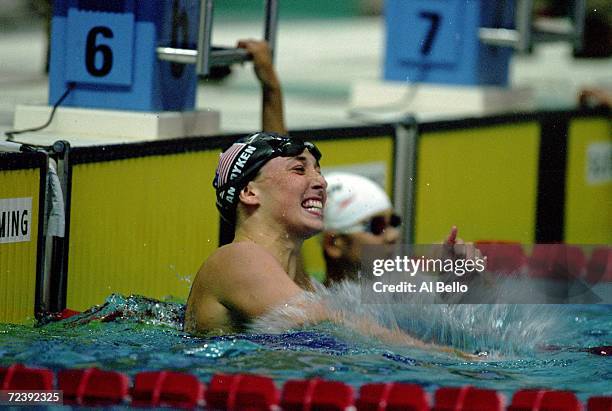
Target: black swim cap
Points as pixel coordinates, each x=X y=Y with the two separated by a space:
x=240 y=163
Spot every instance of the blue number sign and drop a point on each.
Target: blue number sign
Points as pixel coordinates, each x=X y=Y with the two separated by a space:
x=107 y=50
x=431 y=34
x=99 y=47
x=437 y=41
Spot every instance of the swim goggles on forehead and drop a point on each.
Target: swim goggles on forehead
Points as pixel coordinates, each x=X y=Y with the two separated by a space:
x=276 y=146
x=375 y=225
x=288 y=147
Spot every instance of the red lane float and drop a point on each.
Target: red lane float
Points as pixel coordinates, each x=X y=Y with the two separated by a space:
x=93 y=386
x=599 y=404
x=544 y=400
x=20 y=377
x=316 y=394
x=503 y=257
x=599 y=268
x=392 y=397
x=241 y=391
x=167 y=388
x=467 y=399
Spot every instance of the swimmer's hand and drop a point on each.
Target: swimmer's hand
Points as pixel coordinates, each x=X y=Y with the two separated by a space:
x=262 y=62
x=459 y=353
x=455 y=248
x=595 y=97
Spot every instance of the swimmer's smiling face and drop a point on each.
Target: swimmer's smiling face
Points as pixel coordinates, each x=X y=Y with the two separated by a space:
x=291 y=191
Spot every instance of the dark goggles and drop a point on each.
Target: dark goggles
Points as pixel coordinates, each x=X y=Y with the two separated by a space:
x=279 y=146
x=290 y=147
x=378 y=224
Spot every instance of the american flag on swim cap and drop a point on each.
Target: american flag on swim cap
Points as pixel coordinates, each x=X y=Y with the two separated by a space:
x=226 y=159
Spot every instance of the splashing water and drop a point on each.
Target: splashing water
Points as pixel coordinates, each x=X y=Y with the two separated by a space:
x=502 y=329
x=135 y=309
x=133 y=334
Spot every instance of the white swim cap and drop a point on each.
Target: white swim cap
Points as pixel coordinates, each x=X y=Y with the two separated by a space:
x=352 y=198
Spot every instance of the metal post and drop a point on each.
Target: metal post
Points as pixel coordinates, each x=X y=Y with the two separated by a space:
x=271 y=25
x=523 y=18
x=204 y=37
x=58 y=275
x=579 y=17
x=404 y=182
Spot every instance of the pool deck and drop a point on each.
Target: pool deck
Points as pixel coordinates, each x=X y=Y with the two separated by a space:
x=320 y=62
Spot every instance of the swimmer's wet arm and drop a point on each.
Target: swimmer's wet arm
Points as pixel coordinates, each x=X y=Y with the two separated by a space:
x=398 y=337
x=315 y=312
x=203 y=313
x=272 y=112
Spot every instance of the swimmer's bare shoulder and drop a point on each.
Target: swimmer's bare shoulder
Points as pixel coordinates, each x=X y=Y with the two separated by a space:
x=239 y=280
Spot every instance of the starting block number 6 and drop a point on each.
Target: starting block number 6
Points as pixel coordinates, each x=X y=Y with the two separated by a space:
x=100 y=47
x=91 y=49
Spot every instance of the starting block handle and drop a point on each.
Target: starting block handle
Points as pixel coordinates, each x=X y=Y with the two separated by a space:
x=519 y=38
x=206 y=56
x=529 y=31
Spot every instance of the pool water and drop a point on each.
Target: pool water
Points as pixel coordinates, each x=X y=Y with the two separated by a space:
x=132 y=334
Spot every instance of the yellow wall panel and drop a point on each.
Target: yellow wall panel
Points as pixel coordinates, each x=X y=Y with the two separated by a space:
x=483 y=180
x=18 y=260
x=349 y=152
x=140 y=226
x=588 y=205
